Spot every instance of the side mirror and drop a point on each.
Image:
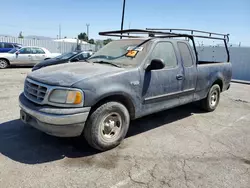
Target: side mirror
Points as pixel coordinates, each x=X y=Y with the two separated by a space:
x=155 y=64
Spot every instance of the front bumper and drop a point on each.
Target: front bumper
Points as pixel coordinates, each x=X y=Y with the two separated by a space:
x=61 y=122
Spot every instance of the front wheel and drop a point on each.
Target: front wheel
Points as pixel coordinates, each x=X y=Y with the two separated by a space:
x=212 y=100
x=107 y=126
x=3 y=64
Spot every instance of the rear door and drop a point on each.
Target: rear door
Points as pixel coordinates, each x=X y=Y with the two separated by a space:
x=38 y=55
x=190 y=73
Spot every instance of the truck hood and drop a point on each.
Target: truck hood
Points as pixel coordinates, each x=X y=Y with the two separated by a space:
x=70 y=73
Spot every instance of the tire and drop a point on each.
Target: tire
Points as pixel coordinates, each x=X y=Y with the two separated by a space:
x=107 y=126
x=4 y=64
x=212 y=100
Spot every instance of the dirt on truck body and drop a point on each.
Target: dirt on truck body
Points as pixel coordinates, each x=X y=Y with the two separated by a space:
x=125 y=80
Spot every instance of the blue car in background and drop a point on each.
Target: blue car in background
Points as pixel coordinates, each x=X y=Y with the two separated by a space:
x=7 y=46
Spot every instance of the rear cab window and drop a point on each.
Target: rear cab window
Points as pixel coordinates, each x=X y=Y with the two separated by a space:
x=186 y=55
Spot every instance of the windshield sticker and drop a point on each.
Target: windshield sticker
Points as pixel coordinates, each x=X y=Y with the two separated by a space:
x=131 y=53
x=137 y=49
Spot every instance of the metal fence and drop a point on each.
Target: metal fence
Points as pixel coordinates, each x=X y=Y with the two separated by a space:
x=239 y=57
x=52 y=46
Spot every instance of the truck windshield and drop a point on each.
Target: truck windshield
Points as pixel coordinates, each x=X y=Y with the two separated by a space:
x=116 y=52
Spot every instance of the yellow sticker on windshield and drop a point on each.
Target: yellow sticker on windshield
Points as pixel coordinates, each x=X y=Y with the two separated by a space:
x=131 y=53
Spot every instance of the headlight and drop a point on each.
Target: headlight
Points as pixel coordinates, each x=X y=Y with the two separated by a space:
x=64 y=96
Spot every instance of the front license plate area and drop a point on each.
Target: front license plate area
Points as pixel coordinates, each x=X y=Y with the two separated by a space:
x=24 y=116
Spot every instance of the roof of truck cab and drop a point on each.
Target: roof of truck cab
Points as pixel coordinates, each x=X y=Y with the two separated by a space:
x=157 y=39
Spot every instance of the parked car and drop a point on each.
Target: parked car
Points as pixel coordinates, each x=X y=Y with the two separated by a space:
x=64 y=58
x=7 y=46
x=124 y=80
x=29 y=55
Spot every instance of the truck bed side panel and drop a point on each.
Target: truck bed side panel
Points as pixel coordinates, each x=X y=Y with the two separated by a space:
x=207 y=74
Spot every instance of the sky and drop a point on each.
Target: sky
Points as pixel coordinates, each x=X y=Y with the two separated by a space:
x=43 y=17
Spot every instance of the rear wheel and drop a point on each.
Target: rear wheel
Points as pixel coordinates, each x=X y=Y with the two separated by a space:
x=107 y=126
x=4 y=64
x=212 y=100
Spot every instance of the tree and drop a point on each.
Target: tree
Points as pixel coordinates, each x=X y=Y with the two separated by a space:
x=83 y=36
x=91 y=41
x=107 y=41
x=20 y=35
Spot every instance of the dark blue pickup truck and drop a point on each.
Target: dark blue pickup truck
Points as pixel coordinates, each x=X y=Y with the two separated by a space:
x=125 y=80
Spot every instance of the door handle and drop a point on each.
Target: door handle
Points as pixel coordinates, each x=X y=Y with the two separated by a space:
x=179 y=77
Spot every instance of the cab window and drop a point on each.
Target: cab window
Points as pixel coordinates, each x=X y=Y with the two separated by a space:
x=7 y=45
x=165 y=51
x=37 y=51
x=25 y=51
x=185 y=54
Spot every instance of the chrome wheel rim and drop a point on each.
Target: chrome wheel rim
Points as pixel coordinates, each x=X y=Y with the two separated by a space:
x=214 y=98
x=111 y=126
x=2 y=64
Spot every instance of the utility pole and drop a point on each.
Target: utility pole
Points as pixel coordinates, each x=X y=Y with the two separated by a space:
x=59 y=31
x=60 y=34
x=129 y=26
x=88 y=30
x=123 y=11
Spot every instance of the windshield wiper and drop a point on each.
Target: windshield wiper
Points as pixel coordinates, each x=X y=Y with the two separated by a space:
x=106 y=62
x=102 y=57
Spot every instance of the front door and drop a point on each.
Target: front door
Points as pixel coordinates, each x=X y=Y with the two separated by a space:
x=190 y=73
x=161 y=88
x=23 y=56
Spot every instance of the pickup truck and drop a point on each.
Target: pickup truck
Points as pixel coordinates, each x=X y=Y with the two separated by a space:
x=124 y=80
x=28 y=55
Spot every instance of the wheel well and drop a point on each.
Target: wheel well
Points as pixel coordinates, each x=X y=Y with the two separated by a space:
x=117 y=98
x=220 y=83
x=6 y=60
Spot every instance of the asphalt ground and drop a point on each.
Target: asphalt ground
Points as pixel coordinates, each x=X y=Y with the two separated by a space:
x=181 y=147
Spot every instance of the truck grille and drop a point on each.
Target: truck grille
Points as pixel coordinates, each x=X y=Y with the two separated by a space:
x=34 y=91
